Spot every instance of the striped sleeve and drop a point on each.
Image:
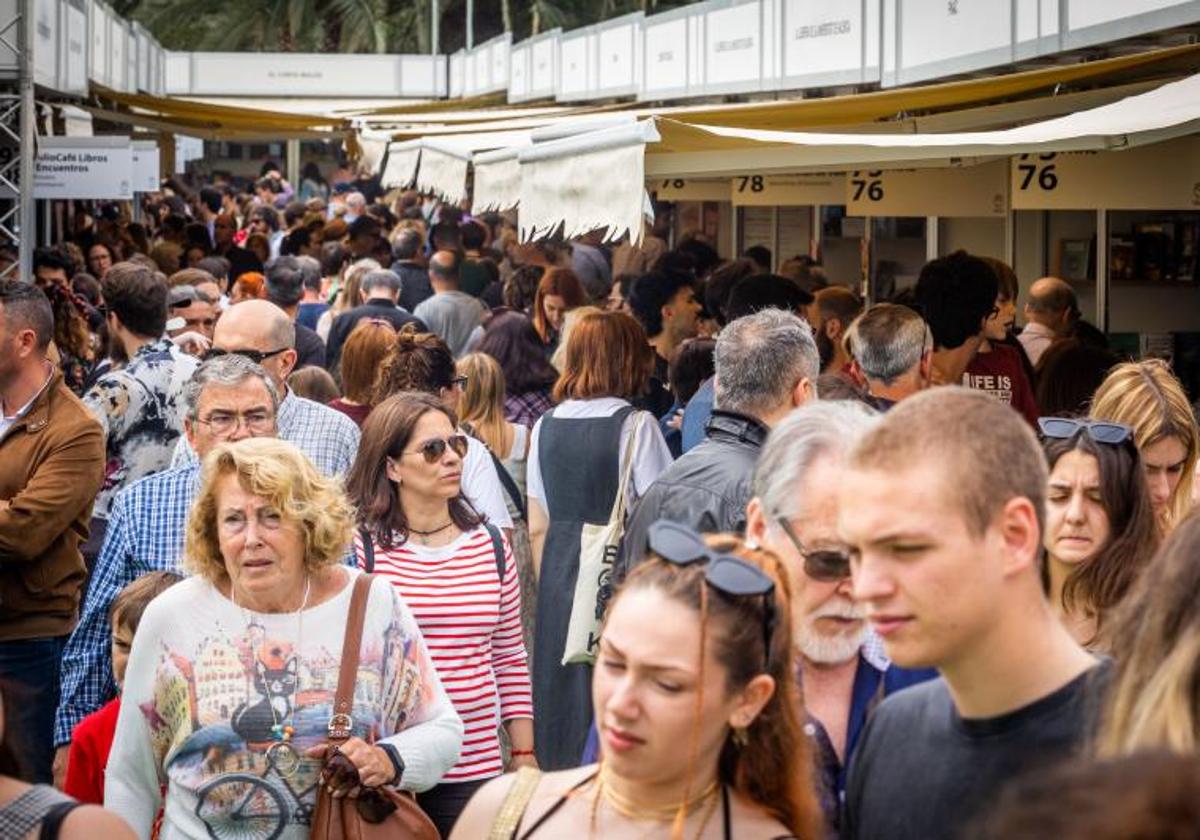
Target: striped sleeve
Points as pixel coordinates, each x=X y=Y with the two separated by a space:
x=509 y=661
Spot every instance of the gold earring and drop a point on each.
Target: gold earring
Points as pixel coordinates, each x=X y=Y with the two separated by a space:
x=741 y=737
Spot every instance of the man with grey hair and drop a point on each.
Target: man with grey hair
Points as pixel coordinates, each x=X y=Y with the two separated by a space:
x=261 y=332
x=285 y=278
x=227 y=399
x=415 y=289
x=766 y=365
x=453 y=315
x=380 y=289
x=891 y=351
x=794 y=513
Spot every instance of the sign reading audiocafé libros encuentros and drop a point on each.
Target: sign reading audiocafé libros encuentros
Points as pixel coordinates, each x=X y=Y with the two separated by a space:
x=83 y=167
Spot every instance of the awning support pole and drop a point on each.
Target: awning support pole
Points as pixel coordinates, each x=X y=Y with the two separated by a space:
x=1102 y=270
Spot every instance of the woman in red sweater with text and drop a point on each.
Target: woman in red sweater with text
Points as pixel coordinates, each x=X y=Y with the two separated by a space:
x=456 y=574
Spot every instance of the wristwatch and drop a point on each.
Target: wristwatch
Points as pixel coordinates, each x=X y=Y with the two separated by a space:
x=397 y=762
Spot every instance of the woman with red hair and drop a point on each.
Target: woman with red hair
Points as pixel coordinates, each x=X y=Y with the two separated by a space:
x=558 y=292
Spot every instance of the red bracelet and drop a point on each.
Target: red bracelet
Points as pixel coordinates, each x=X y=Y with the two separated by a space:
x=520 y=752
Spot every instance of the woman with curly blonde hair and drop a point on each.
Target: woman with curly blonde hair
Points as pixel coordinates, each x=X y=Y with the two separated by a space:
x=1147 y=397
x=233 y=703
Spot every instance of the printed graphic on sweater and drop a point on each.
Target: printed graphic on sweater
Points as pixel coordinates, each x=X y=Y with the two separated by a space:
x=215 y=712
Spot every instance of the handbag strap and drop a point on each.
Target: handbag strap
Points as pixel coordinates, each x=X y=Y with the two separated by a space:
x=341 y=723
x=504 y=826
x=618 y=510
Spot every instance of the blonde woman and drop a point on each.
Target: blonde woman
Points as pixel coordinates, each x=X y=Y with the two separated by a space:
x=481 y=412
x=1155 y=701
x=1147 y=397
x=348 y=296
x=558 y=360
x=230 y=708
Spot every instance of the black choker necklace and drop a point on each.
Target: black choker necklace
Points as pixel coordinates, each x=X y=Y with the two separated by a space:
x=430 y=533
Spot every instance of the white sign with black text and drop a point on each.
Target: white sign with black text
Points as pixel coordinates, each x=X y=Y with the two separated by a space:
x=83 y=167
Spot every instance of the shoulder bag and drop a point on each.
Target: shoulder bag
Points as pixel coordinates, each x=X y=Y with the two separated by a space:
x=599 y=546
x=376 y=813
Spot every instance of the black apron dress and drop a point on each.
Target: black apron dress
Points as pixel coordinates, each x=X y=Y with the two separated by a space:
x=580 y=466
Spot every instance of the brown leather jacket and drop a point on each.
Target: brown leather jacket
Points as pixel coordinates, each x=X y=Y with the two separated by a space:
x=51 y=468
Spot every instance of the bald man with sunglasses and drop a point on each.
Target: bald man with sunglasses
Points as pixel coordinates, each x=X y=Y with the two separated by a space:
x=794 y=513
x=263 y=333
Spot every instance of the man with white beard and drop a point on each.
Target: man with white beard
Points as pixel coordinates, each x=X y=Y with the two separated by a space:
x=794 y=513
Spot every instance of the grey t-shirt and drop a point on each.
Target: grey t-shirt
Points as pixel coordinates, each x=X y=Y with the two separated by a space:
x=454 y=316
x=922 y=771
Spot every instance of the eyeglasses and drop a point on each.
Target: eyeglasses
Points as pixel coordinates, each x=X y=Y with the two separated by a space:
x=257 y=421
x=825 y=565
x=729 y=575
x=1101 y=431
x=256 y=356
x=435 y=448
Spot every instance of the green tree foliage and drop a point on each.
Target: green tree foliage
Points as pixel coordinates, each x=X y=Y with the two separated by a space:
x=360 y=26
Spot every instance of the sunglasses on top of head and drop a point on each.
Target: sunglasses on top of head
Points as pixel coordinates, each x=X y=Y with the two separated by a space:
x=433 y=449
x=731 y=576
x=1101 y=431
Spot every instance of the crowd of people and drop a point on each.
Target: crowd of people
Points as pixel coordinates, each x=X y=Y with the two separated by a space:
x=620 y=540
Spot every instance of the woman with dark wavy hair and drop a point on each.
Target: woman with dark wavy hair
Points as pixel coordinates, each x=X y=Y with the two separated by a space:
x=512 y=341
x=1100 y=527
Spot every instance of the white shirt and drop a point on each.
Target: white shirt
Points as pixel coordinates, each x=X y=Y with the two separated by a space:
x=650 y=453
x=1035 y=338
x=7 y=422
x=481 y=484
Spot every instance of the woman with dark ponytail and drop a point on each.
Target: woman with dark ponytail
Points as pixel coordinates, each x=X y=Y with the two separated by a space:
x=697 y=708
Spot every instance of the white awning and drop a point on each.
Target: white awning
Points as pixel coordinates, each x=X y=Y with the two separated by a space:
x=1172 y=110
x=587 y=181
x=497 y=180
x=401 y=167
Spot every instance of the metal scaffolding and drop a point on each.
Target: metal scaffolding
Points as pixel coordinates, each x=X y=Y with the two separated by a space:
x=17 y=125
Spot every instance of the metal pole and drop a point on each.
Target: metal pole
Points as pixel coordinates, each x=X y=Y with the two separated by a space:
x=433 y=27
x=1102 y=270
x=25 y=216
x=293 y=164
x=470 y=23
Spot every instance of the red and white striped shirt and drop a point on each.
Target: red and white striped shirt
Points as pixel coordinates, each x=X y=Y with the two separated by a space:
x=472 y=627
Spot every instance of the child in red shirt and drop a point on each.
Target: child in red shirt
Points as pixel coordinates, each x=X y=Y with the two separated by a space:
x=93 y=736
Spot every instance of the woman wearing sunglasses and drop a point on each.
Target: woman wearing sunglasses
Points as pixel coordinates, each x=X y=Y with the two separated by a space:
x=697 y=708
x=456 y=574
x=422 y=362
x=1100 y=529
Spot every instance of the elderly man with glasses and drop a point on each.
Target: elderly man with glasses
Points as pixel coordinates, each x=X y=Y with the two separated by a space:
x=227 y=399
x=263 y=333
x=794 y=513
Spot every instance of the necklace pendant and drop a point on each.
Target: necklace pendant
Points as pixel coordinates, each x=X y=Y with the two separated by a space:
x=284 y=758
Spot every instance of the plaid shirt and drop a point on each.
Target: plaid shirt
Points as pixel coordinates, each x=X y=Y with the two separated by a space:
x=328 y=437
x=527 y=408
x=146 y=525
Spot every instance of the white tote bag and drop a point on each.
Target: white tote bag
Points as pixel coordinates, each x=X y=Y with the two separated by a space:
x=598 y=548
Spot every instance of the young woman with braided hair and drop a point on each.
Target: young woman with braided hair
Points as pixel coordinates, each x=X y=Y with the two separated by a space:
x=422 y=362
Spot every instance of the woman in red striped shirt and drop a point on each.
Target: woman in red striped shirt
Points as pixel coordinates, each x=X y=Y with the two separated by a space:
x=457 y=575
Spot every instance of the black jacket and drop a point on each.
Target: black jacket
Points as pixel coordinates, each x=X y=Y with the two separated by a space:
x=707 y=488
x=414 y=284
x=345 y=323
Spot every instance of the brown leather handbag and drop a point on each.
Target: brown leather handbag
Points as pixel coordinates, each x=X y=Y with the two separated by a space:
x=376 y=813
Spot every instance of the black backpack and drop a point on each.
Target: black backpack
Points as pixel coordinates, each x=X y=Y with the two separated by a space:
x=493 y=532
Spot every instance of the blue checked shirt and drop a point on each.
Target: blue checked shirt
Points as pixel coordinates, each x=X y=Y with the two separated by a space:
x=146 y=525
x=328 y=437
